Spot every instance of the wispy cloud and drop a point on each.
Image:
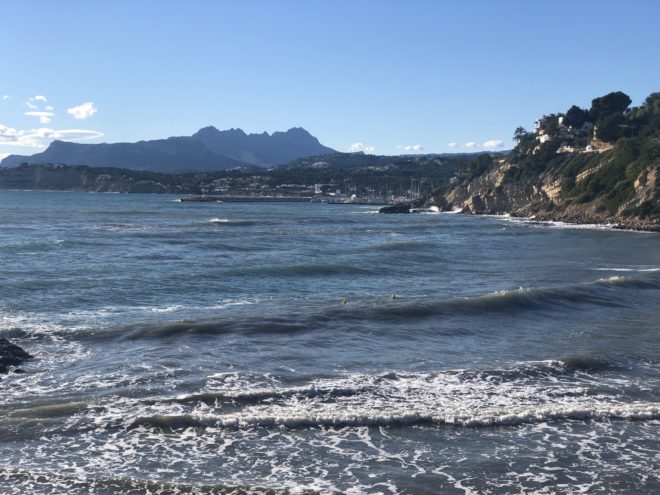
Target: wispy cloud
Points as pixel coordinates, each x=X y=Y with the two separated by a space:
x=44 y=113
x=471 y=144
x=83 y=111
x=493 y=143
x=452 y=145
x=44 y=117
x=357 y=147
x=40 y=138
x=5 y=97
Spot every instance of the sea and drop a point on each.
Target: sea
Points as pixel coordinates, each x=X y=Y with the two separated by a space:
x=212 y=348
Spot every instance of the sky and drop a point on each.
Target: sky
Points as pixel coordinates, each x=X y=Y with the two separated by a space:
x=384 y=77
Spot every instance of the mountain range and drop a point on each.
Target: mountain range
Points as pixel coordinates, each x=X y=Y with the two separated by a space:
x=208 y=149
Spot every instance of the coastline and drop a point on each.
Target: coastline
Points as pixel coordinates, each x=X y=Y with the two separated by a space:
x=575 y=218
x=580 y=216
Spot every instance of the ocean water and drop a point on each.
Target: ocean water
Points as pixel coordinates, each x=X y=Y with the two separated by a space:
x=312 y=348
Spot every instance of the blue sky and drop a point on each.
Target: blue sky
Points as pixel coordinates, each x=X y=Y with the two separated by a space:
x=395 y=76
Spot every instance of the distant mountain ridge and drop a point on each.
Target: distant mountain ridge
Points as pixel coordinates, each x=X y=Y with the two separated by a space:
x=207 y=150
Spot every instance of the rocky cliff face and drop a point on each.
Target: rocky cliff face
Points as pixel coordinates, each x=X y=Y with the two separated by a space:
x=488 y=194
x=548 y=197
x=597 y=165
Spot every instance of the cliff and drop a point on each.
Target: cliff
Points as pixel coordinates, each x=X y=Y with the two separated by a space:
x=563 y=173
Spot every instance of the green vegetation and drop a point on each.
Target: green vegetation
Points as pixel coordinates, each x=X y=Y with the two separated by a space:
x=595 y=155
x=351 y=173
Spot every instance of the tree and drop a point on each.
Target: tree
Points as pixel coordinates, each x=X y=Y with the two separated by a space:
x=481 y=164
x=610 y=127
x=609 y=104
x=576 y=117
x=519 y=134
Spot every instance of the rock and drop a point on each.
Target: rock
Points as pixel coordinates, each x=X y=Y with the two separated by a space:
x=11 y=355
x=397 y=208
x=199 y=199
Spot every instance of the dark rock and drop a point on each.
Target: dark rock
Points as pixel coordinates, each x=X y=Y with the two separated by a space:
x=397 y=208
x=199 y=199
x=11 y=355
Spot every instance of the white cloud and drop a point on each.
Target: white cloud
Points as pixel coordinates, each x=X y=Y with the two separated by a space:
x=4 y=155
x=5 y=97
x=44 y=117
x=452 y=145
x=413 y=147
x=40 y=138
x=493 y=143
x=357 y=147
x=471 y=144
x=44 y=114
x=83 y=111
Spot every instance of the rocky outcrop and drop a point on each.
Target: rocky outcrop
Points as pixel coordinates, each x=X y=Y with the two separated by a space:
x=647 y=191
x=597 y=165
x=488 y=194
x=11 y=355
x=396 y=208
x=543 y=198
x=413 y=206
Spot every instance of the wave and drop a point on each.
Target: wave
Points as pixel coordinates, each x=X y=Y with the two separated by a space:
x=394 y=246
x=305 y=316
x=492 y=418
x=576 y=388
x=301 y=316
x=23 y=480
x=622 y=269
x=333 y=390
x=254 y=396
x=210 y=327
x=301 y=270
x=231 y=222
x=49 y=410
x=502 y=301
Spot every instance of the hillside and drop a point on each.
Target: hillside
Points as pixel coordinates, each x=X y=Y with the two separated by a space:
x=349 y=173
x=207 y=150
x=597 y=165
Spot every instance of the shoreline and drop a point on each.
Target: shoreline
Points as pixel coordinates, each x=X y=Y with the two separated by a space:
x=632 y=224
x=613 y=223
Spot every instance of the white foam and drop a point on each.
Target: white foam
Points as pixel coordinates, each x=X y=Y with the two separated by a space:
x=532 y=222
x=348 y=445
x=627 y=269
